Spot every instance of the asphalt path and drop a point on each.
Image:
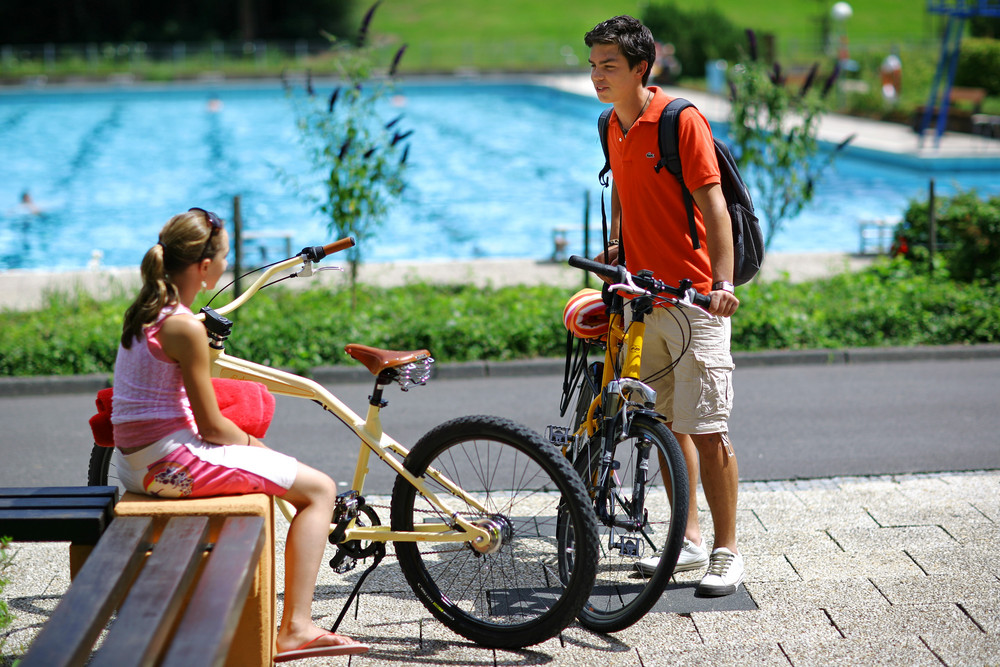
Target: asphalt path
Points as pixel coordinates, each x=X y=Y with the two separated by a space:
x=789 y=421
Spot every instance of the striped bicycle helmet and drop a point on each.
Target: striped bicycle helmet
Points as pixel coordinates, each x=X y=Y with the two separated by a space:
x=586 y=315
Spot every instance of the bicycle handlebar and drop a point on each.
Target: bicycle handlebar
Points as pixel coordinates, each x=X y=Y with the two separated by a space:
x=307 y=255
x=621 y=275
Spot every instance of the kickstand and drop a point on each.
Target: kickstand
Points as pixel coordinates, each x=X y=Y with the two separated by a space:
x=378 y=556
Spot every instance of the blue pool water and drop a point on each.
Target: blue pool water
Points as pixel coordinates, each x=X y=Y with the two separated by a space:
x=494 y=168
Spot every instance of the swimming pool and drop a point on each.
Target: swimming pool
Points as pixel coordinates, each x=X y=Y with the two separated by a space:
x=495 y=166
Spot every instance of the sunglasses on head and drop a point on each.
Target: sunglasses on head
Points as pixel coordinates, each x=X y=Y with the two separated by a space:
x=216 y=224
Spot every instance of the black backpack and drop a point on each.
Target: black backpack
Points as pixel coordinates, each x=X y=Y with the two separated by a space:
x=748 y=241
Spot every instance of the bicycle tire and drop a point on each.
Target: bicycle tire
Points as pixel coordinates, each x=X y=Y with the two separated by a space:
x=514 y=597
x=622 y=594
x=99 y=468
x=591 y=377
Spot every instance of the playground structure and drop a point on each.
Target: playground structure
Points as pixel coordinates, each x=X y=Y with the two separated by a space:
x=957 y=11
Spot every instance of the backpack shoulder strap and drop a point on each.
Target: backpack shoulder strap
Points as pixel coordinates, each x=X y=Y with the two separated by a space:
x=602 y=130
x=669 y=129
x=670 y=157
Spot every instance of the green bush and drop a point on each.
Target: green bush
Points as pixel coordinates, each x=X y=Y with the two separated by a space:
x=893 y=303
x=968 y=234
x=979 y=64
x=699 y=35
x=6 y=558
x=72 y=335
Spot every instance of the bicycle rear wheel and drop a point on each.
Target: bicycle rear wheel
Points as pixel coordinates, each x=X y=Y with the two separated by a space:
x=623 y=593
x=514 y=596
x=102 y=470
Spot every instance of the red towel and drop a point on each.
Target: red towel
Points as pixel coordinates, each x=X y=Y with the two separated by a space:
x=249 y=404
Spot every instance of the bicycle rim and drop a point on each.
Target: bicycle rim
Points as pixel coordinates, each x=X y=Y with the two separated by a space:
x=623 y=593
x=514 y=597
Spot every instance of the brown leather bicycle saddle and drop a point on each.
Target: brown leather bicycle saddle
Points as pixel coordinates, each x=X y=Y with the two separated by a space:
x=377 y=360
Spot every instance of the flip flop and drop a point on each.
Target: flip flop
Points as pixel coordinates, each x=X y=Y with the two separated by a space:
x=321 y=651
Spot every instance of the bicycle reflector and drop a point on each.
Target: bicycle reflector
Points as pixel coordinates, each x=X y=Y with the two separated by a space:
x=586 y=315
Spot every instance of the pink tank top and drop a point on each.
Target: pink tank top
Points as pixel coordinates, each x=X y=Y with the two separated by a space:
x=149 y=400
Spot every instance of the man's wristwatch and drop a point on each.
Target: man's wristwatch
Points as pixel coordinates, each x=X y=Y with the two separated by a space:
x=725 y=286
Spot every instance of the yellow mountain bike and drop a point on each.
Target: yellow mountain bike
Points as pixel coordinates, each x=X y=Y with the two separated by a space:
x=492 y=527
x=629 y=460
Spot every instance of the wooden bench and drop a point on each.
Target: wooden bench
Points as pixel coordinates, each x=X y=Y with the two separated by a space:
x=255 y=632
x=963 y=104
x=75 y=514
x=974 y=97
x=177 y=607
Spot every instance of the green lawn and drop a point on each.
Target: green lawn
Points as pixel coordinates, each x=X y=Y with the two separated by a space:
x=443 y=34
x=513 y=34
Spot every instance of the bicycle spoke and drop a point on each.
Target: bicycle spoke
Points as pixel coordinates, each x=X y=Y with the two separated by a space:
x=513 y=586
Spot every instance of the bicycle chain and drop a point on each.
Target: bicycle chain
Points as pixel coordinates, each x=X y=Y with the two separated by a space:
x=418 y=511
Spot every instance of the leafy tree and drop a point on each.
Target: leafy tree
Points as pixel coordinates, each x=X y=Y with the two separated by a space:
x=359 y=158
x=58 y=21
x=699 y=35
x=774 y=131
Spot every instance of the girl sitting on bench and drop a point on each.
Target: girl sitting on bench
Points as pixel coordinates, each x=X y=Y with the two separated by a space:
x=173 y=441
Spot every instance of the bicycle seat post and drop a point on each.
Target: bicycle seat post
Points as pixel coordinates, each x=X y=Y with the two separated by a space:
x=381 y=381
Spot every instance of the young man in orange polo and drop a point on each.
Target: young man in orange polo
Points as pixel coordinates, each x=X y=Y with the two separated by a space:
x=649 y=219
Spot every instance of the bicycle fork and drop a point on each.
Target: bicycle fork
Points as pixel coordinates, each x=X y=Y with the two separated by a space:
x=634 y=517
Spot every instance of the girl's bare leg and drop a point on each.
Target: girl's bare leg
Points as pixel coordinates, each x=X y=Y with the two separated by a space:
x=313 y=495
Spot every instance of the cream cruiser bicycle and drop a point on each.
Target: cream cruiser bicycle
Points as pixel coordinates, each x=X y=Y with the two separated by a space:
x=491 y=526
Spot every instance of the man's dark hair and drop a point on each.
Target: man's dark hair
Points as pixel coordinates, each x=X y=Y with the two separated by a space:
x=634 y=40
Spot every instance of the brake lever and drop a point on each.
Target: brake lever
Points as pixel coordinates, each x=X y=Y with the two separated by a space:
x=629 y=286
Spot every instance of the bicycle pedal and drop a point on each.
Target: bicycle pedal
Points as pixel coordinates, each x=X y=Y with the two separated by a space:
x=559 y=436
x=341 y=563
x=628 y=546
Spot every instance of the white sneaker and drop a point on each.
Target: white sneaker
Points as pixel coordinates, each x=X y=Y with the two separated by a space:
x=692 y=557
x=725 y=574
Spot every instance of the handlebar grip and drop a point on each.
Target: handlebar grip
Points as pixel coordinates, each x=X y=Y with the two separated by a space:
x=606 y=270
x=702 y=300
x=318 y=252
x=337 y=246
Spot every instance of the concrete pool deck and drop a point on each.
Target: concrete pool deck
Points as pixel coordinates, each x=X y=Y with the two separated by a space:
x=894 y=142
x=28 y=290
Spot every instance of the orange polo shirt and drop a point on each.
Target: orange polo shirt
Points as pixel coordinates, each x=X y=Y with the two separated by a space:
x=655 y=226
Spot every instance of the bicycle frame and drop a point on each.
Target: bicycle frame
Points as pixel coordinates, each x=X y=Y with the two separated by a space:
x=368 y=430
x=619 y=384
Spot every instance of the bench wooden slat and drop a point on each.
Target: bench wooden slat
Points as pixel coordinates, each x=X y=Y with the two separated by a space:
x=73 y=627
x=209 y=623
x=147 y=617
x=59 y=491
x=45 y=502
x=80 y=526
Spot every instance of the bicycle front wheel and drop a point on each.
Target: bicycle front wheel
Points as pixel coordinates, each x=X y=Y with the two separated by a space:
x=512 y=595
x=649 y=484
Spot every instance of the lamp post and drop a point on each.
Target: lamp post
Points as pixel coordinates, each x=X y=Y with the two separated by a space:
x=840 y=12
